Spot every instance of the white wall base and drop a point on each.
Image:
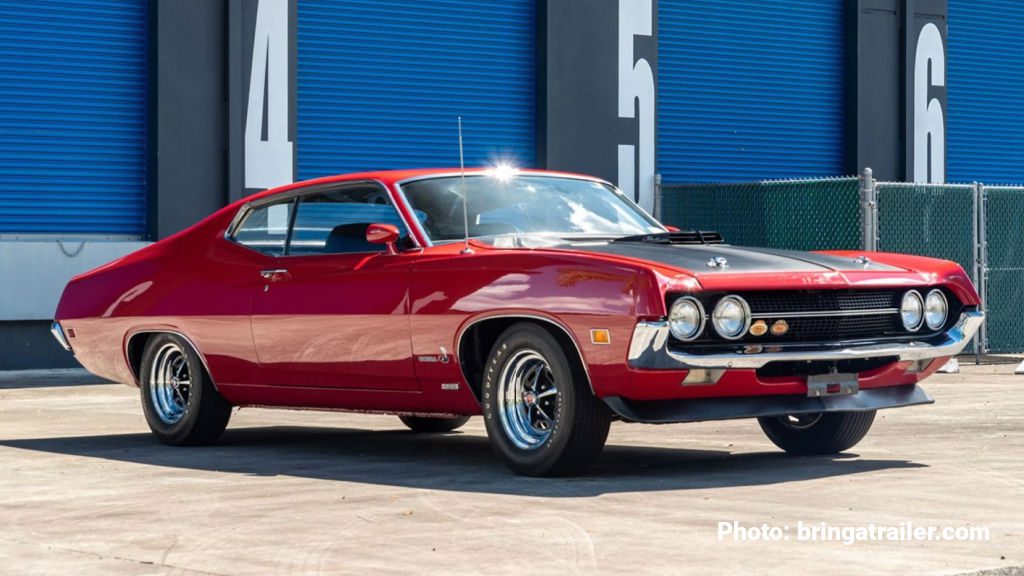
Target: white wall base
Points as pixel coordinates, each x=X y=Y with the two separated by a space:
x=33 y=273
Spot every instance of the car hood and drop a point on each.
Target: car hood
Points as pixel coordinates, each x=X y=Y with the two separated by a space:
x=696 y=258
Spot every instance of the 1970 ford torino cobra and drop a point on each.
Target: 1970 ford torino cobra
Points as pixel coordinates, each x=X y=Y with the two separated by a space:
x=568 y=307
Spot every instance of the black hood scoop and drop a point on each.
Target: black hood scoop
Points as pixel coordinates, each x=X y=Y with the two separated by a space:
x=686 y=237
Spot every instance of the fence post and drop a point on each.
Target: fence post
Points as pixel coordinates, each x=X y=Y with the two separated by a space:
x=868 y=211
x=657 y=197
x=981 y=258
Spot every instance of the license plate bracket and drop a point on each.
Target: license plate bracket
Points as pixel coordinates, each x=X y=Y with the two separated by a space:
x=834 y=384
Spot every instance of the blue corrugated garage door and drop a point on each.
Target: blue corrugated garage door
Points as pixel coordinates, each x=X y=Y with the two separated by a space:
x=73 y=117
x=750 y=90
x=985 y=126
x=381 y=83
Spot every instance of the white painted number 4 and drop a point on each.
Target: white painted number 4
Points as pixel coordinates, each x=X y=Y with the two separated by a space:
x=268 y=161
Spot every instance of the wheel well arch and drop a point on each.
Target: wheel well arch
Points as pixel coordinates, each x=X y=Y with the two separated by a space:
x=478 y=337
x=135 y=345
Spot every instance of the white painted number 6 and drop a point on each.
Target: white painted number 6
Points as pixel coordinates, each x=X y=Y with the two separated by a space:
x=929 y=124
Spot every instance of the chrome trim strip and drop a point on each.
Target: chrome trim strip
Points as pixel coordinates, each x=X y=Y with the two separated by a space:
x=649 y=349
x=251 y=205
x=187 y=340
x=464 y=329
x=827 y=313
x=58 y=333
x=408 y=206
x=483 y=173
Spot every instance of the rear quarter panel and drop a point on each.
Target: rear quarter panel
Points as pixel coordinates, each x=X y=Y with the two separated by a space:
x=195 y=283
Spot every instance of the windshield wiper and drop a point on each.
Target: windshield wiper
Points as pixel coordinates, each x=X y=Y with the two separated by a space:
x=593 y=237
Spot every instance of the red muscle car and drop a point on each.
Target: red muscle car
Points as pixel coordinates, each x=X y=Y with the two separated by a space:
x=568 y=307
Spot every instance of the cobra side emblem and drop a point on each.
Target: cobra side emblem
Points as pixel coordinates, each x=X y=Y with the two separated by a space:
x=862 y=260
x=718 y=262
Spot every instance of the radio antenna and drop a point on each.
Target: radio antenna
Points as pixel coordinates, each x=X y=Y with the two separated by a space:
x=465 y=202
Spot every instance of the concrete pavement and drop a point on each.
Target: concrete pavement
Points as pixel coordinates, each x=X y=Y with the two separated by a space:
x=84 y=489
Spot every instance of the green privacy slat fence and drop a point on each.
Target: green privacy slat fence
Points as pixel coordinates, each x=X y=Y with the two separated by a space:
x=795 y=214
x=927 y=220
x=1004 y=224
x=949 y=221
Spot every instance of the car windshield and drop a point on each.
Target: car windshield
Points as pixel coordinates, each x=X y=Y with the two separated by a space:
x=524 y=204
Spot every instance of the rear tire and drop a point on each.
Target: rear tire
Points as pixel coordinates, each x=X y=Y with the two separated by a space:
x=822 y=433
x=541 y=416
x=427 y=425
x=181 y=404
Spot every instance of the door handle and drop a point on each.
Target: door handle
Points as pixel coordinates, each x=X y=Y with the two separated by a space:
x=275 y=274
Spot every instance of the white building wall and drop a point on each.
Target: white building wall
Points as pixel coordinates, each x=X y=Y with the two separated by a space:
x=33 y=273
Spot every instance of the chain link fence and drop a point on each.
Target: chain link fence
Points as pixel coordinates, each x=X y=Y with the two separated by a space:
x=927 y=220
x=979 y=227
x=1002 y=265
x=791 y=214
x=935 y=220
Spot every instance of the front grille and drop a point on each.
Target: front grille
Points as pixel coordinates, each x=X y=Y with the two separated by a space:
x=816 y=301
x=840 y=328
x=867 y=300
x=824 y=315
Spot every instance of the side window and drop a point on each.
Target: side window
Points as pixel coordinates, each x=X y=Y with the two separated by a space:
x=335 y=222
x=266 y=228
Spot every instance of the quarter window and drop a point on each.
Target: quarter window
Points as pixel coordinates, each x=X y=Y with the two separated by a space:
x=266 y=228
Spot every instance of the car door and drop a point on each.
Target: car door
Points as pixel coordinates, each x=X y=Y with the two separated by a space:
x=332 y=310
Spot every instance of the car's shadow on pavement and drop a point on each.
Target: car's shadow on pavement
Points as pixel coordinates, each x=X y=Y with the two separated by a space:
x=454 y=461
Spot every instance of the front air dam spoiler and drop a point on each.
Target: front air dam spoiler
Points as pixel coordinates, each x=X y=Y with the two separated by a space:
x=700 y=409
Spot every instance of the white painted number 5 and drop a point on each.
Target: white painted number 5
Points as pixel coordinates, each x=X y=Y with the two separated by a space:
x=636 y=85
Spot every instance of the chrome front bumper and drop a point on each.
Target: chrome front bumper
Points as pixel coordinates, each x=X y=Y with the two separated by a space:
x=649 y=349
x=58 y=334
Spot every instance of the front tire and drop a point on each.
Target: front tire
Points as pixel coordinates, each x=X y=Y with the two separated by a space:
x=427 y=425
x=181 y=404
x=541 y=416
x=821 y=433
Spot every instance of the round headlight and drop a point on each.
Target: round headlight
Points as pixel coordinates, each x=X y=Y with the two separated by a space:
x=912 y=310
x=731 y=317
x=686 y=319
x=935 y=309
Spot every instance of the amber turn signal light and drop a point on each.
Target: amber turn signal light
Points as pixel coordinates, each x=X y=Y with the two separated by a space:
x=600 y=336
x=759 y=328
x=780 y=328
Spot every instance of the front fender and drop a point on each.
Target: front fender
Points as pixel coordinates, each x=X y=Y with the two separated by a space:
x=932 y=271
